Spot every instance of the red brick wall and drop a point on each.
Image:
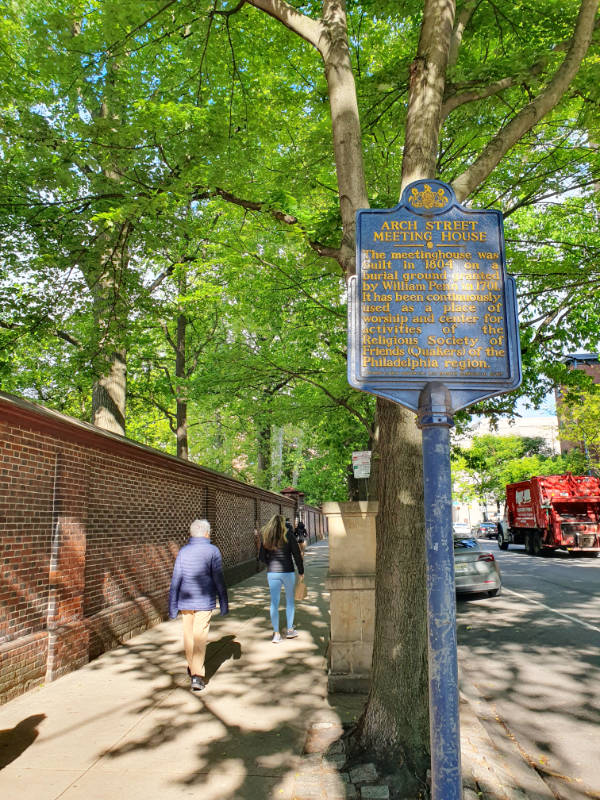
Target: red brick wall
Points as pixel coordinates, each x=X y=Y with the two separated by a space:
x=91 y=524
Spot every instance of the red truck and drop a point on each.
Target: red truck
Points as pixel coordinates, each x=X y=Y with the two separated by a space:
x=553 y=512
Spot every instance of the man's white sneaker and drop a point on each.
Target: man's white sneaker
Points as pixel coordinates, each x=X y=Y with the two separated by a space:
x=276 y=638
x=291 y=634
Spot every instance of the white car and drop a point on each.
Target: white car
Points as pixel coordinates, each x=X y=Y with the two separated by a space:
x=461 y=529
x=475 y=568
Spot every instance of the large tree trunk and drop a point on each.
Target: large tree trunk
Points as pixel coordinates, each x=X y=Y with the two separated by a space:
x=105 y=275
x=180 y=374
x=109 y=393
x=277 y=459
x=345 y=124
x=395 y=721
x=109 y=396
x=426 y=91
x=264 y=455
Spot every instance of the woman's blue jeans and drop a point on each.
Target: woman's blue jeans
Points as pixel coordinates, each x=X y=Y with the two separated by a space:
x=276 y=581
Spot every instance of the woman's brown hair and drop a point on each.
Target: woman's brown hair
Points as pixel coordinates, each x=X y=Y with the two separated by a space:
x=274 y=533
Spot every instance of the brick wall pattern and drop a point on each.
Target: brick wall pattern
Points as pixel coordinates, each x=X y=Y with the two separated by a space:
x=234 y=527
x=267 y=510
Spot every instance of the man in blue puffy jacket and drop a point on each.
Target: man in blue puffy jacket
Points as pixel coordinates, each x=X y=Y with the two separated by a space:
x=197 y=580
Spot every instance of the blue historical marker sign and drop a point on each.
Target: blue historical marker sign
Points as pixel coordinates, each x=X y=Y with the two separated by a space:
x=431 y=301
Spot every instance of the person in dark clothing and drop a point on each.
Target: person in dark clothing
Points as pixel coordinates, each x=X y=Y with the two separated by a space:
x=279 y=550
x=197 y=580
x=301 y=535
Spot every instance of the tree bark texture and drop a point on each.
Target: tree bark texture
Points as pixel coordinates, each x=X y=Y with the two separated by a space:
x=277 y=459
x=426 y=91
x=106 y=286
x=329 y=36
x=180 y=374
x=106 y=278
x=264 y=455
x=345 y=121
x=395 y=722
x=109 y=396
x=109 y=393
x=466 y=12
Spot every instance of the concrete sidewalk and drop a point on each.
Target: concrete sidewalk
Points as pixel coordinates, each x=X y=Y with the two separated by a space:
x=126 y=725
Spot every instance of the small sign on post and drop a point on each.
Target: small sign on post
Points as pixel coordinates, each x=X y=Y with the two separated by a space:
x=361 y=464
x=433 y=326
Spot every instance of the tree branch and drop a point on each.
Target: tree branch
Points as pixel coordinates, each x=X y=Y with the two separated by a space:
x=253 y=205
x=167 y=372
x=461 y=97
x=338 y=401
x=538 y=336
x=457 y=100
x=160 y=278
x=426 y=91
x=280 y=216
x=230 y=11
x=309 y=29
x=169 y=416
x=329 y=36
x=195 y=356
x=169 y=338
x=68 y=338
x=141 y=26
x=532 y=113
x=327 y=252
x=60 y=334
x=462 y=20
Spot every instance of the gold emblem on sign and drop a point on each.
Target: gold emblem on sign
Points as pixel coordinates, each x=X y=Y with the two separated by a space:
x=428 y=198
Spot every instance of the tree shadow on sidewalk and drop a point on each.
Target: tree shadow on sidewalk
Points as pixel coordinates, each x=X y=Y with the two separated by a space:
x=244 y=735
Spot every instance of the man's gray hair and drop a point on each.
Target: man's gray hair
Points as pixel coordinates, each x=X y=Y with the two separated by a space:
x=200 y=527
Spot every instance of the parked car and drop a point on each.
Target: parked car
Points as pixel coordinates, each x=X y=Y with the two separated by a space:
x=487 y=530
x=475 y=568
x=461 y=529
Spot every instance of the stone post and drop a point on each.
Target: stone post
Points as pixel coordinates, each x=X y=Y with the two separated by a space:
x=351 y=583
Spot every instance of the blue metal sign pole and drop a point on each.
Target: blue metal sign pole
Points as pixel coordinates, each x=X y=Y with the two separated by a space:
x=435 y=420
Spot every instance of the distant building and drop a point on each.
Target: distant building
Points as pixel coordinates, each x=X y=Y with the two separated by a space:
x=590 y=364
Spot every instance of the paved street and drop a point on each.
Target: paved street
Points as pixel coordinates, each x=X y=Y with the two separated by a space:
x=534 y=654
